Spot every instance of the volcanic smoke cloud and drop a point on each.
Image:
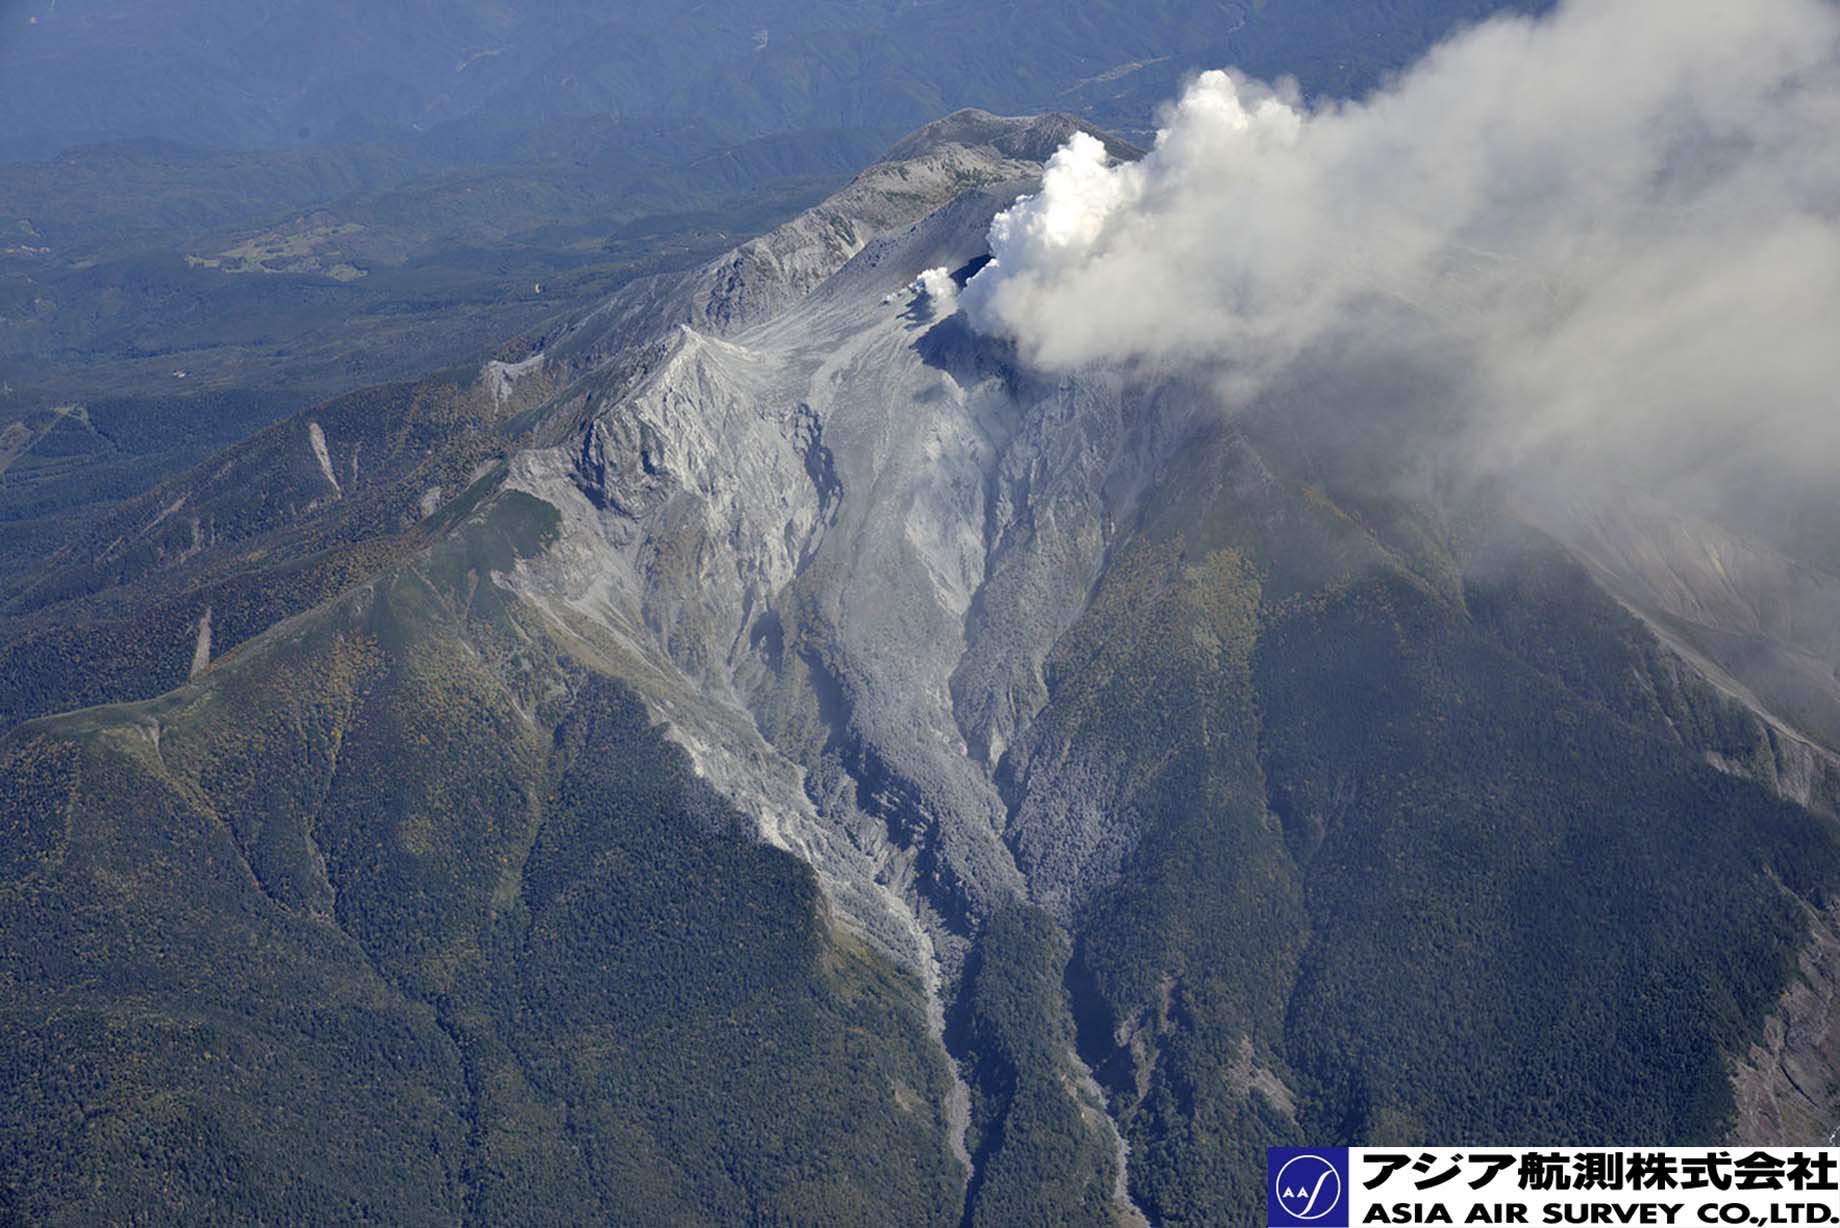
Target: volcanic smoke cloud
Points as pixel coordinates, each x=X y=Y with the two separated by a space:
x=1610 y=233
x=938 y=291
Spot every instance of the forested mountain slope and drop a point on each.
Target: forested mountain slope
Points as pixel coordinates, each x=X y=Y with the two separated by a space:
x=767 y=754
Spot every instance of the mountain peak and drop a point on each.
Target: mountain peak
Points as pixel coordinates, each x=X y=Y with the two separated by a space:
x=1032 y=138
x=965 y=151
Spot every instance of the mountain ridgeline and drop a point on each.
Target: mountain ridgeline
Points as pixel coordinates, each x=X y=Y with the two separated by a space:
x=760 y=753
x=275 y=203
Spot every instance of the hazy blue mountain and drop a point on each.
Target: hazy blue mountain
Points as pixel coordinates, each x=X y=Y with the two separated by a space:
x=285 y=73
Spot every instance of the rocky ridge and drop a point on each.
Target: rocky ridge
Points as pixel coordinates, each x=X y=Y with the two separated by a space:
x=834 y=540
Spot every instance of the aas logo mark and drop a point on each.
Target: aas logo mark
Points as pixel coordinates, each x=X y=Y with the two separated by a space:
x=1307 y=1187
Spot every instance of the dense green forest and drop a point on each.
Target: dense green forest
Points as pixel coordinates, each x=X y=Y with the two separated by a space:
x=1416 y=860
x=1040 y=1149
x=255 y=535
x=348 y=932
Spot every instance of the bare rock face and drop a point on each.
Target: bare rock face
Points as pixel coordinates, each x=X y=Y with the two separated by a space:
x=799 y=506
x=967 y=149
x=1788 y=1088
x=831 y=536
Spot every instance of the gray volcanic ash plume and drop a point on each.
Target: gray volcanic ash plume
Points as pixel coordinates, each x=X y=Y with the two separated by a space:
x=1606 y=240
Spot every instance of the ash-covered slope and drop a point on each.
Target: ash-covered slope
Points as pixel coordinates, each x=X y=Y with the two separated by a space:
x=1131 y=781
x=789 y=503
x=1243 y=721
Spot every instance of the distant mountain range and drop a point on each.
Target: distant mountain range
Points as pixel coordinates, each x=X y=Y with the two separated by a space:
x=285 y=73
x=264 y=205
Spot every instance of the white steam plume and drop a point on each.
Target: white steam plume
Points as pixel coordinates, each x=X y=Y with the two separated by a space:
x=936 y=289
x=1611 y=231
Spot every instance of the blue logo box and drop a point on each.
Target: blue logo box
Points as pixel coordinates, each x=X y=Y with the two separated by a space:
x=1307 y=1187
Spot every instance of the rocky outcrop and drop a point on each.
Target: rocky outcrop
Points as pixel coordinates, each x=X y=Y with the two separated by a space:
x=1788 y=1087
x=850 y=527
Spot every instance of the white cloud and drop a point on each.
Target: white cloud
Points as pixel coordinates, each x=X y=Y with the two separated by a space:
x=937 y=291
x=1610 y=232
